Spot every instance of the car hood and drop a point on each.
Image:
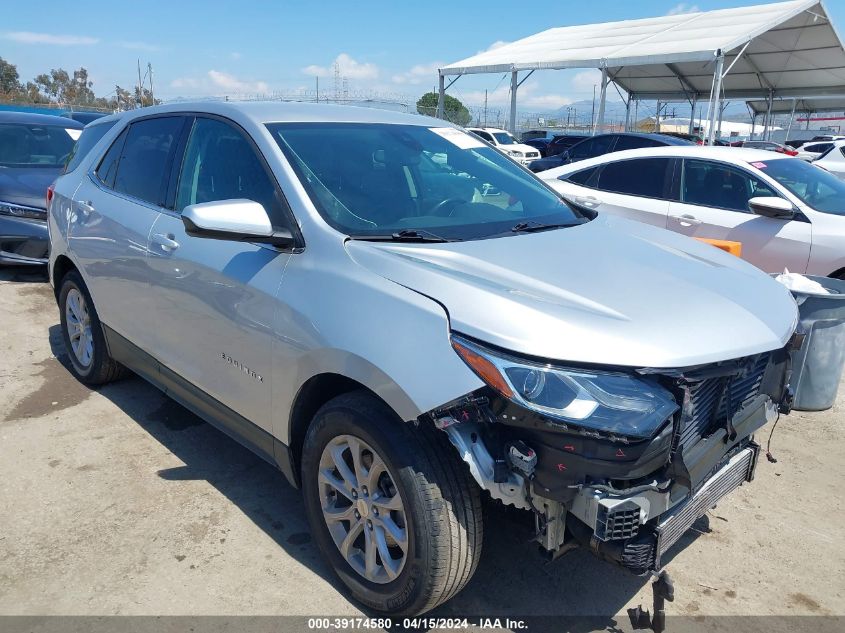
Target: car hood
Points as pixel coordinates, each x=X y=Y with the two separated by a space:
x=27 y=185
x=521 y=147
x=611 y=292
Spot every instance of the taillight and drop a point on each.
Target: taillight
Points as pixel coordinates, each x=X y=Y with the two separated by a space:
x=50 y=190
x=792 y=152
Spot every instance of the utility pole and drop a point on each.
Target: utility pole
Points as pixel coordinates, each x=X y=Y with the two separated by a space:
x=140 y=93
x=317 y=79
x=152 y=92
x=485 y=108
x=593 y=115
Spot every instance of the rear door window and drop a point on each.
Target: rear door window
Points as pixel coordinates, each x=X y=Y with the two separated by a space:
x=644 y=177
x=146 y=158
x=635 y=142
x=582 y=177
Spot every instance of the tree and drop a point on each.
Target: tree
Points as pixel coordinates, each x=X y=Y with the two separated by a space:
x=453 y=109
x=10 y=85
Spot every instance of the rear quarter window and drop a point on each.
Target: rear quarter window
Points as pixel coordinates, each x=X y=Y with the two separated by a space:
x=84 y=144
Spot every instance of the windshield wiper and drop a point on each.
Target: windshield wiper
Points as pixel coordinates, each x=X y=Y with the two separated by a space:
x=405 y=235
x=533 y=227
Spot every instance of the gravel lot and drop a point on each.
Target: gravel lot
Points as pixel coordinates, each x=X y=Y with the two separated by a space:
x=119 y=501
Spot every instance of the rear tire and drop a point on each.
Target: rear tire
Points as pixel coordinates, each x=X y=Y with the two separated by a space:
x=440 y=504
x=83 y=336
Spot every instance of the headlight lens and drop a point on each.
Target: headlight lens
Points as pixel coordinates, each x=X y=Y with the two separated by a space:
x=514 y=152
x=18 y=211
x=610 y=402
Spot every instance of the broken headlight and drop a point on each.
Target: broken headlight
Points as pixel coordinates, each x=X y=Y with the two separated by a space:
x=610 y=402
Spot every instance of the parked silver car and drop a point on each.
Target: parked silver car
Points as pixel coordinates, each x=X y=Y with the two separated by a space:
x=400 y=318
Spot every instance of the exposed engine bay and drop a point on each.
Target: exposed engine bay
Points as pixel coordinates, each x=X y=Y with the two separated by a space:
x=627 y=499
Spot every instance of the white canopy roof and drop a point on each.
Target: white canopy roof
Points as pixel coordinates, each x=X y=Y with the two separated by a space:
x=802 y=106
x=793 y=50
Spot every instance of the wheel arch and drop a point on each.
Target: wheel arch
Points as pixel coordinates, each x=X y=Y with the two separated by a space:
x=62 y=266
x=313 y=394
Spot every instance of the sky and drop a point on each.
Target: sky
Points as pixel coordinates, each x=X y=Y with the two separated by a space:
x=393 y=48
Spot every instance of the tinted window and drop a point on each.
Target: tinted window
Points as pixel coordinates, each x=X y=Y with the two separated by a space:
x=145 y=158
x=596 y=146
x=34 y=145
x=374 y=179
x=90 y=137
x=815 y=187
x=581 y=177
x=484 y=135
x=817 y=148
x=635 y=142
x=718 y=185
x=108 y=166
x=220 y=164
x=642 y=177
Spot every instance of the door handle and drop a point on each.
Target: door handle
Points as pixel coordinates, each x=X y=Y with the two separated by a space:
x=686 y=219
x=86 y=208
x=166 y=242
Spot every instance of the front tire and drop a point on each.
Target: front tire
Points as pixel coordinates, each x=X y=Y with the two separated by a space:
x=83 y=336
x=392 y=509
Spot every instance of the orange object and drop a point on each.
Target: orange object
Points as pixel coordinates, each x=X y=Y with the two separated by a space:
x=734 y=248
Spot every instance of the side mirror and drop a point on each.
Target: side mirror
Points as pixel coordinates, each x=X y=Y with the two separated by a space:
x=771 y=207
x=233 y=220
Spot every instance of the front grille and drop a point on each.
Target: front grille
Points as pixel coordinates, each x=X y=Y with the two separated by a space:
x=532 y=154
x=620 y=522
x=738 y=470
x=705 y=395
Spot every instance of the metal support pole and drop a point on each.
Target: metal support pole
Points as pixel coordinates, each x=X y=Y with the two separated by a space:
x=791 y=117
x=441 y=97
x=692 y=114
x=753 y=124
x=722 y=106
x=714 y=98
x=514 y=86
x=602 y=99
x=628 y=114
x=767 y=128
x=657 y=117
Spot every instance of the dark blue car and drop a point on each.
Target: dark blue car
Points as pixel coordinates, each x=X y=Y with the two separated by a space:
x=602 y=144
x=33 y=151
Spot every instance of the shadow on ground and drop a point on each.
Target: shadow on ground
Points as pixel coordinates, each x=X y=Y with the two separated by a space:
x=511 y=580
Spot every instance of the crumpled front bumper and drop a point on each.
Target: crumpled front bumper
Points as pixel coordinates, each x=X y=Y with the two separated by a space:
x=635 y=529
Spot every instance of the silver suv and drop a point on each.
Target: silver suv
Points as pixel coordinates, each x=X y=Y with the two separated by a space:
x=401 y=318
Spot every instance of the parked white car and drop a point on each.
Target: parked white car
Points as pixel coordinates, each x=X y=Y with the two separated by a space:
x=787 y=213
x=833 y=160
x=812 y=150
x=505 y=142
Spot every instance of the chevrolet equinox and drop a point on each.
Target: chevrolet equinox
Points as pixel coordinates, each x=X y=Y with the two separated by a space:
x=402 y=320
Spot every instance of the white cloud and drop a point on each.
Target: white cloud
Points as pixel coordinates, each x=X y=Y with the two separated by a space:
x=586 y=79
x=28 y=37
x=349 y=68
x=683 y=7
x=418 y=74
x=494 y=46
x=216 y=82
x=139 y=46
x=528 y=98
x=233 y=84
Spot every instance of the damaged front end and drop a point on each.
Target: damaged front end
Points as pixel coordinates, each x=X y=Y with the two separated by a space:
x=602 y=466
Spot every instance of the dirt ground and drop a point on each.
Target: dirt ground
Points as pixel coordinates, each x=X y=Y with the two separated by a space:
x=119 y=501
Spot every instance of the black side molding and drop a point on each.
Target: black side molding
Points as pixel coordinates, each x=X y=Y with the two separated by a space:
x=245 y=432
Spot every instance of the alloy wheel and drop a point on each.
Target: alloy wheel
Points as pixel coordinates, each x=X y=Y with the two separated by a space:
x=362 y=509
x=78 y=324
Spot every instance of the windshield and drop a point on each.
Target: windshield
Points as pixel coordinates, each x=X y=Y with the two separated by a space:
x=27 y=145
x=503 y=138
x=377 y=179
x=815 y=187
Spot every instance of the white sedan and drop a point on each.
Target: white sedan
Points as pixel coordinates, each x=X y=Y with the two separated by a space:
x=785 y=212
x=833 y=160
